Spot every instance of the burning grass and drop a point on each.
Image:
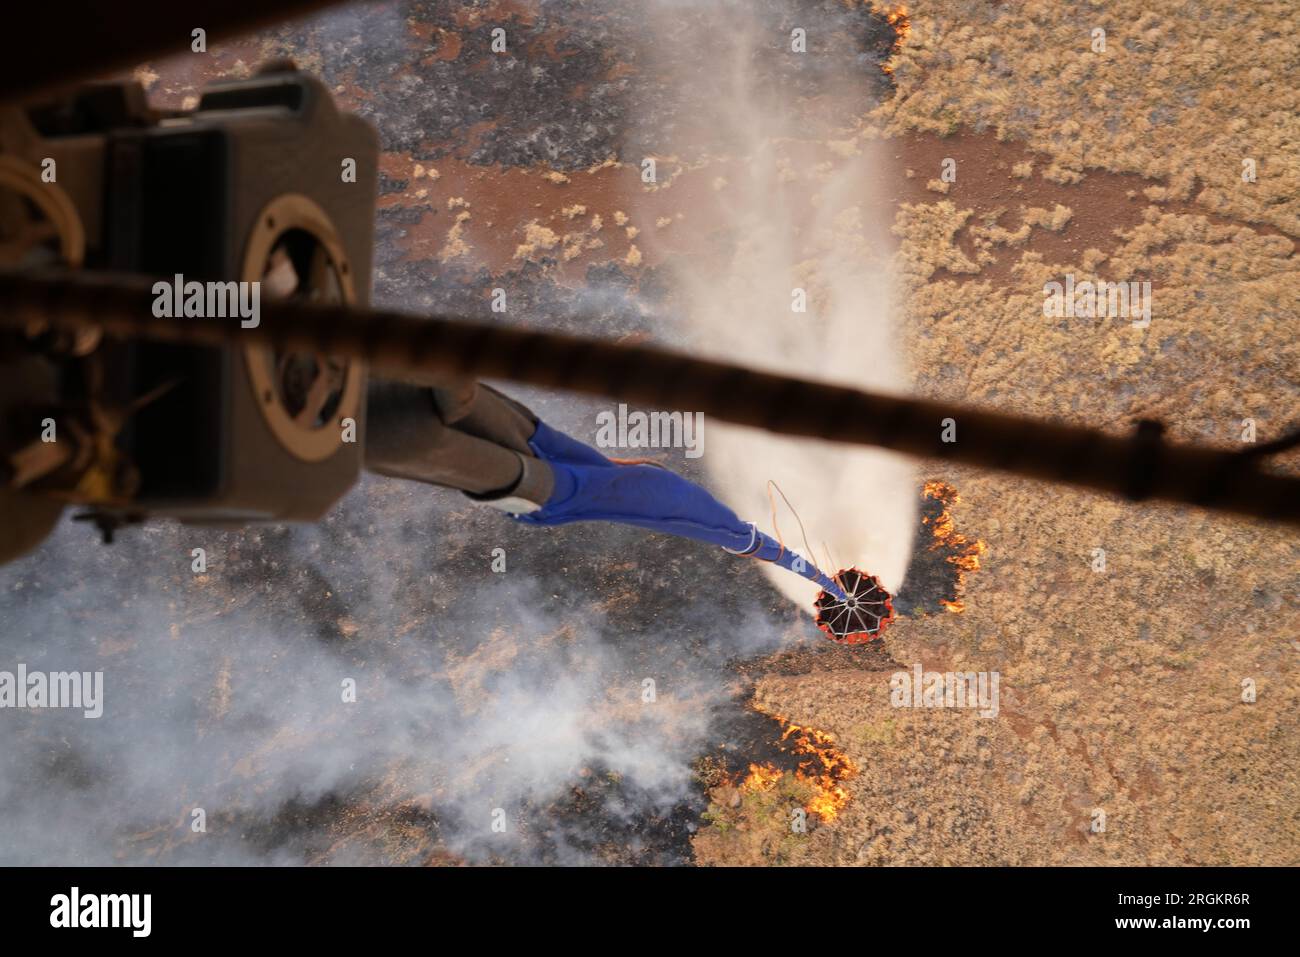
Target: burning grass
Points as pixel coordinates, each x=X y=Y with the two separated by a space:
x=821 y=764
x=752 y=812
x=901 y=22
x=962 y=553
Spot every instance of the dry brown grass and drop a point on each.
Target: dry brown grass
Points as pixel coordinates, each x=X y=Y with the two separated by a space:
x=1121 y=691
x=1183 y=92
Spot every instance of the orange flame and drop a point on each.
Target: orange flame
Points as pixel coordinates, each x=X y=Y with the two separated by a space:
x=761 y=778
x=900 y=21
x=824 y=766
x=898 y=18
x=965 y=554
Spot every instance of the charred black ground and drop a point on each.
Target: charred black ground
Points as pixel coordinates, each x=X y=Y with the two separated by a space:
x=931 y=575
x=439 y=89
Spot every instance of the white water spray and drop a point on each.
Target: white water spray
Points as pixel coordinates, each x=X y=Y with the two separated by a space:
x=795 y=215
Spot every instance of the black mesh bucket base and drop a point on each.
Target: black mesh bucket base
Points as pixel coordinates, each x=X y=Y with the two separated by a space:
x=863 y=617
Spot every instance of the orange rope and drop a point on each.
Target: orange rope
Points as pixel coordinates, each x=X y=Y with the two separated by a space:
x=835 y=576
x=811 y=554
x=635 y=461
x=775 y=527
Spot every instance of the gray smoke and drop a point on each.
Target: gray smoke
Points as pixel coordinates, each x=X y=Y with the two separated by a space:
x=477 y=693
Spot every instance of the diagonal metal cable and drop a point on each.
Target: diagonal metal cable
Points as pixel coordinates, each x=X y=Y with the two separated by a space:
x=1140 y=466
